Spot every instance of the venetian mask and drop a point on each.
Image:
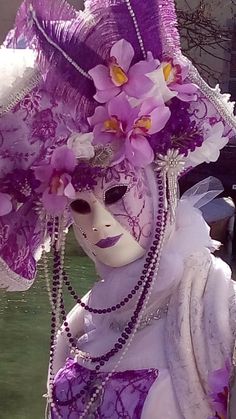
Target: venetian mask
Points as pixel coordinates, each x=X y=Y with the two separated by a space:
x=113 y=221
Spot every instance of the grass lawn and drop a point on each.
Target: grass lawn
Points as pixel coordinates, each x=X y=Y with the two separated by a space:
x=24 y=341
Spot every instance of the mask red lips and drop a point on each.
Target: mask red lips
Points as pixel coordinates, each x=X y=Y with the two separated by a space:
x=108 y=242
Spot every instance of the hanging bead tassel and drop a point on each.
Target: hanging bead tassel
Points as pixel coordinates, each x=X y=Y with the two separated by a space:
x=170 y=166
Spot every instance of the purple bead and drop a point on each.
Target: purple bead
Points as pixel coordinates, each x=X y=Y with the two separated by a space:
x=124 y=335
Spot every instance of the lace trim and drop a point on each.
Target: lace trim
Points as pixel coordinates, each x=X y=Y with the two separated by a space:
x=12 y=281
x=21 y=88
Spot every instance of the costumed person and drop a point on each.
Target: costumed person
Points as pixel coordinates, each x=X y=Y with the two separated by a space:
x=100 y=117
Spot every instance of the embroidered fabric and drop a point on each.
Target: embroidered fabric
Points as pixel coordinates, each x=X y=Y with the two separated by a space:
x=123 y=396
x=198 y=331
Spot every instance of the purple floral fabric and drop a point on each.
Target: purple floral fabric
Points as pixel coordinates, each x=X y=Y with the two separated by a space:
x=28 y=135
x=123 y=396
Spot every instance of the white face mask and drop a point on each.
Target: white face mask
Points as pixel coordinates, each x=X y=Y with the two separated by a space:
x=114 y=221
x=102 y=234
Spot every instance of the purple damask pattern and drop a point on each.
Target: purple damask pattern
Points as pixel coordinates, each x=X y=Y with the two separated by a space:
x=123 y=396
x=28 y=136
x=43 y=126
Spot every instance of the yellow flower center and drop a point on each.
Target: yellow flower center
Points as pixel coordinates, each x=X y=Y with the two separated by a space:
x=144 y=123
x=117 y=74
x=167 y=70
x=112 y=125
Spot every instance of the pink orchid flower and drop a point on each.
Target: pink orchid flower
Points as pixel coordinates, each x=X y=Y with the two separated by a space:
x=219 y=387
x=170 y=80
x=5 y=204
x=55 y=180
x=129 y=128
x=120 y=76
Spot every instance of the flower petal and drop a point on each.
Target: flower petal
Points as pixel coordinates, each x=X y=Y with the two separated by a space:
x=69 y=191
x=120 y=107
x=160 y=87
x=99 y=116
x=138 y=86
x=101 y=137
x=139 y=152
x=101 y=77
x=103 y=96
x=150 y=104
x=186 y=92
x=159 y=118
x=63 y=159
x=142 y=68
x=124 y=53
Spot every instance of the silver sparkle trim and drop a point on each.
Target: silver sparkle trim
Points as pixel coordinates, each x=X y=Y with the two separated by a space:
x=49 y=40
x=158 y=314
x=21 y=92
x=140 y=40
x=170 y=166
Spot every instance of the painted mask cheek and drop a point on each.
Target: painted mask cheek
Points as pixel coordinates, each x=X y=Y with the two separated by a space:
x=135 y=213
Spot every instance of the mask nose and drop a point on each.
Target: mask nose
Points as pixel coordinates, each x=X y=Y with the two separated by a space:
x=101 y=218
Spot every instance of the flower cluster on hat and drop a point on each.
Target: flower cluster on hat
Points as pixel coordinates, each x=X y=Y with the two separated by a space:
x=5 y=204
x=130 y=127
x=170 y=80
x=119 y=75
x=55 y=178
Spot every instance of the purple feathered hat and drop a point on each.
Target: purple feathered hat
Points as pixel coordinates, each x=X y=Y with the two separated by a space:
x=111 y=84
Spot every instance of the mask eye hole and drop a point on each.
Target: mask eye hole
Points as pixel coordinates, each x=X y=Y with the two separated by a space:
x=80 y=206
x=114 y=194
